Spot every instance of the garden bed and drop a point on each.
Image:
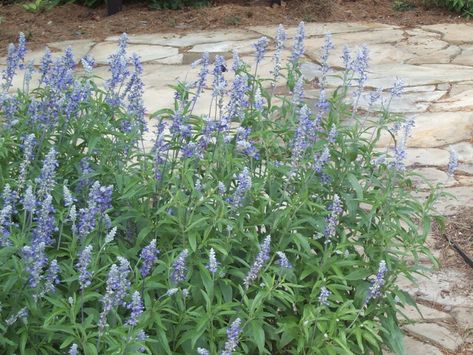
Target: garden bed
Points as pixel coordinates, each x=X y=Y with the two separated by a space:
x=77 y=22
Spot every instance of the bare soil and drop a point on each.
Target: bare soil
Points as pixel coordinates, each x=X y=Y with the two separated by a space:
x=73 y=21
x=458 y=229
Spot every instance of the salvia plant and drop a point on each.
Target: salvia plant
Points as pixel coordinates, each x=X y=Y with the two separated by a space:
x=272 y=225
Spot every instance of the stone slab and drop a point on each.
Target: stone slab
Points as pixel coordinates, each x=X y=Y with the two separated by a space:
x=382 y=75
x=431 y=176
x=447 y=287
x=103 y=50
x=320 y=29
x=436 y=129
x=409 y=102
x=415 y=347
x=453 y=33
x=465 y=57
x=463 y=316
x=190 y=39
x=427 y=157
x=465 y=150
x=436 y=334
x=456 y=102
x=427 y=314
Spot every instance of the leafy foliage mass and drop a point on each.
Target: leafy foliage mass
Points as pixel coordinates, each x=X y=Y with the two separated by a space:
x=465 y=7
x=270 y=225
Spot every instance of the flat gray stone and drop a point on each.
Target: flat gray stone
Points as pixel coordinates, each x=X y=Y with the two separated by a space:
x=320 y=29
x=415 y=347
x=425 y=49
x=453 y=33
x=378 y=42
x=190 y=39
x=464 y=151
x=436 y=129
x=465 y=57
x=463 y=316
x=409 y=102
x=465 y=168
x=174 y=60
x=427 y=314
x=382 y=75
x=103 y=50
x=243 y=47
x=447 y=287
x=455 y=102
x=427 y=157
x=458 y=198
x=433 y=176
x=80 y=47
x=435 y=334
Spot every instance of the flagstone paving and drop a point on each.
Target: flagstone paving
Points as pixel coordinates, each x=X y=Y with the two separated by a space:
x=436 y=64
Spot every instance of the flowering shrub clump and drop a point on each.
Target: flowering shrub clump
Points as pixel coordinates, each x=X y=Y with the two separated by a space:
x=272 y=224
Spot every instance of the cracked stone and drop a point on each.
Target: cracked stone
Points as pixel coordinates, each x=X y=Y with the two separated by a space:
x=428 y=50
x=458 y=198
x=465 y=151
x=224 y=47
x=426 y=314
x=382 y=75
x=80 y=48
x=320 y=29
x=455 y=102
x=102 y=51
x=427 y=156
x=441 y=128
x=465 y=57
x=463 y=316
x=408 y=102
x=190 y=39
x=448 y=287
x=453 y=33
x=436 y=334
x=413 y=347
x=431 y=176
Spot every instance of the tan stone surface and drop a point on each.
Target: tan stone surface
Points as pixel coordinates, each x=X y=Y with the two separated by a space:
x=435 y=334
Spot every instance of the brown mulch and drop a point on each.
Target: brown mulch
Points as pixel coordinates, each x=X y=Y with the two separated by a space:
x=459 y=229
x=72 y=21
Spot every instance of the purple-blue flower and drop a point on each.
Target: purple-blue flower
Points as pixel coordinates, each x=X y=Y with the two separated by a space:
x=45 y=222
x=283 y=261
x=149 y=256
x=46 y=180
x=28 y=146
x=136 y=308
x=73 y=350
x=280 y=38
x=377 y=283
x=320 y=160
x=261 y=259
x=82 y=265
x=332 y=220
x=243 y=185
x=233 y=333
x=452 y=161
x=34 y=260
x=260 y=48
x=323 y=296
x=179 y=268
x=52 y=277
x=238 y=97
x=298 y=46
x=212 y=266
x=116 y=290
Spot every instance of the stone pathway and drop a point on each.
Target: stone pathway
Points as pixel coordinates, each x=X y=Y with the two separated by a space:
x=436 y=64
